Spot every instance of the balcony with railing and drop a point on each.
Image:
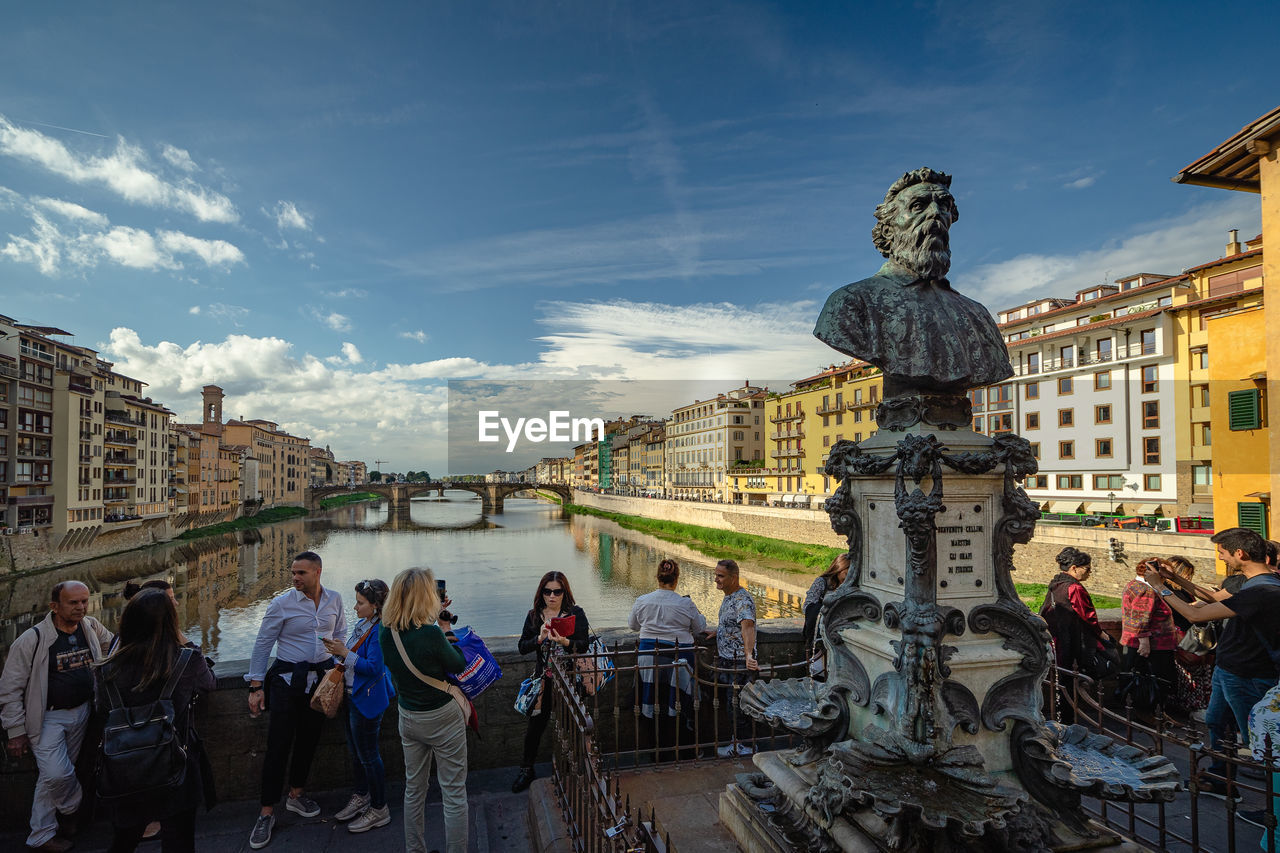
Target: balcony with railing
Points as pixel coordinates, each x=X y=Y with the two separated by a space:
x=37 y=428
x=1087 y=359
x=119 y=460
x=795 y=432
x=777 y=419
x=81 y=387
x=31 y=352
x=9 y=368
x=796 y=453
x=108 y=480
x=121 y=418
x=113 y=437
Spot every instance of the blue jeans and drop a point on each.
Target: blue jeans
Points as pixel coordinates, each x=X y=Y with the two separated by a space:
x=362 y=738
x=1231 y=698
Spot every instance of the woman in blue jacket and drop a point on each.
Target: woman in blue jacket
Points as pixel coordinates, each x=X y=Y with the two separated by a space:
x=369 y=693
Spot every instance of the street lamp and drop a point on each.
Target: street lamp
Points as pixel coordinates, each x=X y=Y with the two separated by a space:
x=1112 y=497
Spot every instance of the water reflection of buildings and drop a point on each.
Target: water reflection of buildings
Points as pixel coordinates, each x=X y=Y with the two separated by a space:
x=208 y=575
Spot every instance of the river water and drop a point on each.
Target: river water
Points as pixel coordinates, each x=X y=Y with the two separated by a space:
x=491 y=564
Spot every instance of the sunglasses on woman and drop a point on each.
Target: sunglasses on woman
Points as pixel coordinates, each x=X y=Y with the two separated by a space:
x=549 y=590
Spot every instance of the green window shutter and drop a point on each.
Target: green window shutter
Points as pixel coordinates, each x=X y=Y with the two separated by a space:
x=1244 y=409
x=1253 y=516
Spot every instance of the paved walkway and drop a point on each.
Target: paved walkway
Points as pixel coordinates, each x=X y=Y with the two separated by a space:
x=498 y=823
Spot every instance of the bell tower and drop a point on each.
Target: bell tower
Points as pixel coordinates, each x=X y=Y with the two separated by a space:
x=211 y=416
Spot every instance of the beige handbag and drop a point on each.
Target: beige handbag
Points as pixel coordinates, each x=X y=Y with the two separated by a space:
x=455 y=692
x=327 y=698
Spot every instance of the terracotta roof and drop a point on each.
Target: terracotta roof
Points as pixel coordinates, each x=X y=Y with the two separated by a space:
x=1076 y=306
x=1221 y=297
x=1228 y=259
x=1233 y=165
x=1101 y=324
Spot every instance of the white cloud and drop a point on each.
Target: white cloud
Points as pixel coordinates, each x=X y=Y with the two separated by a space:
x=71 y=210
x=346 y=292
x=351 y=354
x=133 y=247
x=125 y=171
x=287 y=215
x=213 y=252
x=338 y=322
x=419 y=336
x=232 y=314
x=179 y=158
x=1162 y=246
x=1080 y=183
x=194 y=309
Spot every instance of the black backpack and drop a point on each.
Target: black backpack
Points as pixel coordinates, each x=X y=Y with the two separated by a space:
x=142 y=750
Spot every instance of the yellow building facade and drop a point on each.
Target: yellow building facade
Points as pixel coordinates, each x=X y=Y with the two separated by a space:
x=1248 y=161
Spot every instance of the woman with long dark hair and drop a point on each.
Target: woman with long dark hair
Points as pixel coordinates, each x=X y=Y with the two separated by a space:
x=369 y=693
x=553 y=599
x=823 y=584
x=144 y=659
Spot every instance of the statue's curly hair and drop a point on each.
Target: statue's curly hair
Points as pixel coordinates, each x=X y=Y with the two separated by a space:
x=880 y=233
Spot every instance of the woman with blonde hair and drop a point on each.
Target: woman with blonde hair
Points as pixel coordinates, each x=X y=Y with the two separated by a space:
x=418 y=656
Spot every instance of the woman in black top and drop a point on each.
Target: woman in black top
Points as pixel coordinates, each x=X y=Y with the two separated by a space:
x=552 y=599
x=142 y=662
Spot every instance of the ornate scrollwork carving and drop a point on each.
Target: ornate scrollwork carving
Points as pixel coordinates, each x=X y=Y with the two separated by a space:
x=844 y=608
x=943 y=411
x=962 y=705
x=1017 y=695
x=819 y=717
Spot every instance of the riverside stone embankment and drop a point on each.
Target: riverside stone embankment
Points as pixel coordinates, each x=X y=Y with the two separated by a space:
x=1034 y=562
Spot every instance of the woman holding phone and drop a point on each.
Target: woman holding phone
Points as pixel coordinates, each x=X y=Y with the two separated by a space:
x=555 y=625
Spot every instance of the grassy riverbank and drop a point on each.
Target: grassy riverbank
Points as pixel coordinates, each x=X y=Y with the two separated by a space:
x=802 y=558
x=722 y=543
x=354 y=497
x=550 y=496
x=266 y=516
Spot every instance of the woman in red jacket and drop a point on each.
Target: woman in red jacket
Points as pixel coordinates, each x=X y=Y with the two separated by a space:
x=1073 y=621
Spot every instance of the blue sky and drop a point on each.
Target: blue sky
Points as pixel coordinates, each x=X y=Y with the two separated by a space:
x=330 y=209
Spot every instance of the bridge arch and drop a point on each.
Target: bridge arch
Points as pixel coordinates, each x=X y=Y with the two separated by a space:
x=492 y=495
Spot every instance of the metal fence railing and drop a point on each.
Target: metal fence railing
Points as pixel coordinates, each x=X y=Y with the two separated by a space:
x=676 y=706
x=1195 y=820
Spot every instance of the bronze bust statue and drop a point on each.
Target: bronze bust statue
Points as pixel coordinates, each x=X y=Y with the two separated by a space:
x=927 y=338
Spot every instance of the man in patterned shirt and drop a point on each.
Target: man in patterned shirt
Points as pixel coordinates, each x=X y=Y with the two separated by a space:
x=736 y=662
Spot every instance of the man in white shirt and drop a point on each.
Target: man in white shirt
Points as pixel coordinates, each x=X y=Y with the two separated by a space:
x=296 y=624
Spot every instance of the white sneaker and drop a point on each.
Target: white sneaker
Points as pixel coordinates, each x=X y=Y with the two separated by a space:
x=261 y=835
x=371 y=818
x=303 y=805
x=743 y=749
x=725 y=751
x=357 y=804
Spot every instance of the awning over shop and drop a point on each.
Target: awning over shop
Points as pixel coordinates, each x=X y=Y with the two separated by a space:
x=1141 y=509
x=1102 y=507
x=1060 y=506
x=788 y=499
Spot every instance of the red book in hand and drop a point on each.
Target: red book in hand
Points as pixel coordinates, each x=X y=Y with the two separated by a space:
x=564 y=625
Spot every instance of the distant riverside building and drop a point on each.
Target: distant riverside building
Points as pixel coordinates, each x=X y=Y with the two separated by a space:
x=82 y=452
x=706 y=438
x=838 y=403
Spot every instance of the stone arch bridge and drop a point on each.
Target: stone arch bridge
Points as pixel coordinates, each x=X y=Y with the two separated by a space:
x=492 y=495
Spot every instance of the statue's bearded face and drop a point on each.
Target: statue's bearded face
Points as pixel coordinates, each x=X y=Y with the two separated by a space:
x=920 y=224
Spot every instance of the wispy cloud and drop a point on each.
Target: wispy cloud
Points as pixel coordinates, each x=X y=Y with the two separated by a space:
x=178 y=158
x=345 y=293
x=419 y=336
x=287 y=215
x=1162 y=246
x=194 y=309
x=125 y=171
x=1080 y=183
x=332 y=319
x=232 y=314
x=350 y=355
x=71 y=210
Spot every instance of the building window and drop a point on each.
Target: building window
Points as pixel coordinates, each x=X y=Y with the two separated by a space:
x=1033 y=420
x=1000 y=423
x=1150 y=379
x=1108 y=482
x=1151 y=482
x=1102 y=414
x=1151 y=414
x=1066 y=417
x=839 y=417
x=1200 y=358
x=1066 y=450
x=1102 y=380
x=1035 y=449
x=1064 y=385
x=1151 y=451
x=1032 y=391
x=1148 y=341
x=1066 y=356
x=1200 y=395
x=1033 y=362
x=1102 y=448
x=1070 y=481
x=1206 y=434
x=1244 y=409
x=1039 y=481
x=1104 y=349
x=1252 y=516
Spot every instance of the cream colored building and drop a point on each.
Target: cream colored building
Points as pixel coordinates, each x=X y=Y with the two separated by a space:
x=707 y=438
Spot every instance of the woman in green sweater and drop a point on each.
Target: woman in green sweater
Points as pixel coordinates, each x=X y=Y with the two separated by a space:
x=430 y=721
